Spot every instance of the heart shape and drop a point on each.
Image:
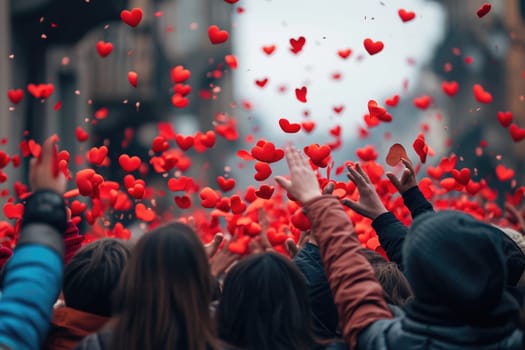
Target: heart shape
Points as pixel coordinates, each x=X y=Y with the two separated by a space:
x=225 y=184
x=179 y=74
x=505 y=118
x=517 y=133
x=216 y=35
x=40 y=91
x=263 y=171
x=96 y=155
x=395 y=154
x=319 y=155
x=237 y=205
x=345 y=53
x=231 y=61
x=422 y=102
x=450 y=88
x=481 y=95
x=209 y=197
x=421 y=148
x=373 y=47
x=268 y=49
x=81 y=134
x=129 y=164
x=159 y=144
x=13 y=211
x=143 y=213
x=367 y=153
x=289 y=128
x=266 y=152
x=104 y=48
x=503 y=173
x=131 y=18
x=184 y=142
x=179 y=101
x=308 y=126
x=461 y=176
x=261 y=83
x=265 y=192
x=15 y=96
x=297 y=44
x=300 y=94
x=405 y=15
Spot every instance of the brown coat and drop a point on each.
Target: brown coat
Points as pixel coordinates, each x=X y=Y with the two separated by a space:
x=357 y=294
x=70 y=326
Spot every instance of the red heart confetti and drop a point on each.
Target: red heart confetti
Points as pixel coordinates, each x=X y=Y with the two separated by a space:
x=297 y=44
x=104 y=48
x=216 y=35
x=133 y=79
x=483 y=10
x=505 y=118
x=15 y=96
x=131 y=18
x=450 y=88
x=503 y=173
x=405 y=15
x=289 y=128
x=344 y=53
x=395 y=154
x=481 y=95
x=373 y=47
x=300 y=94
x=268 y=49
x=517 y=133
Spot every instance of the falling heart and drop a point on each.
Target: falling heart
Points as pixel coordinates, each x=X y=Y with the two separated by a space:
x=300 y=94
x=289 y=128
x=483 y=10
x=405 y=15
x=373 y=47
x=216 y=35
x=505 y=118
x=297 y=44
x=131 y=18
x=104 y=49
x=15 y=96
x=450 y=87
x=481 y=95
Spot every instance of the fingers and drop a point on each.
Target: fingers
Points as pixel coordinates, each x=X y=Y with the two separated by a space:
x=394 y=180
x=291 y=247
x=409 y=166
x=48 y=148
x=356 y=177
x=352 y=205
x=212 y=247
x=284 y=183
x=362 y=173
x=329 y=189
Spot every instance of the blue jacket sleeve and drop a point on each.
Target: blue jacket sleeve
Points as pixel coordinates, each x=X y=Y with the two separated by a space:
x=416 y=202
x=31 y=286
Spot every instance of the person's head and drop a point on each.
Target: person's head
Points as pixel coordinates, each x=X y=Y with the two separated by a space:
x=165 y=292
x=265 y=305
x=395 y=285
x=455 y=262
x=514 y=251
x=93 y=274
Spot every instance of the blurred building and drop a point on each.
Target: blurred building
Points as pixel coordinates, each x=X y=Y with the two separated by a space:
x=496 y=45
x=54 y=41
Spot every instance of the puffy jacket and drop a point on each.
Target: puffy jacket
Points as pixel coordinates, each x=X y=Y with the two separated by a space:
x=365 y=319
x=33 y=275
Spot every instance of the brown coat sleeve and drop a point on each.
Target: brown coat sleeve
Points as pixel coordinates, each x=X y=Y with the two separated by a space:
x=357 y=294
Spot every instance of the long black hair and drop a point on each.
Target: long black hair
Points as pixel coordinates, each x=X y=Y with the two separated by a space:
x=265 y=305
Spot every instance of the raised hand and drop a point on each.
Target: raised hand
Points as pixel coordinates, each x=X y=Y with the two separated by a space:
x=407 y=179
x=212 y=247
x=303 y=184
x=222 y=261
x=44 y=173
x=369 y=203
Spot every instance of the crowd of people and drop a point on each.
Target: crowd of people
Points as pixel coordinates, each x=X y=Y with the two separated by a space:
x=449 y=281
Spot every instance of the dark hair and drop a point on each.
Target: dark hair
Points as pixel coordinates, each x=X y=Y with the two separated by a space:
x=165 y=292
x=395 y=285
x=265 y=305
x=93 y=274
x=373 y=257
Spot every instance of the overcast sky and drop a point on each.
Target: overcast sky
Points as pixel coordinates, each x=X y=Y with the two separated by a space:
x=329 y=26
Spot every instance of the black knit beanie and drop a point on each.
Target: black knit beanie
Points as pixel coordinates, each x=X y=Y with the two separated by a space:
x=454 y=260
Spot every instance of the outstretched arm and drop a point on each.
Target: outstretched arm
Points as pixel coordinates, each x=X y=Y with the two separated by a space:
x=34 y=274
x=357 y=294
